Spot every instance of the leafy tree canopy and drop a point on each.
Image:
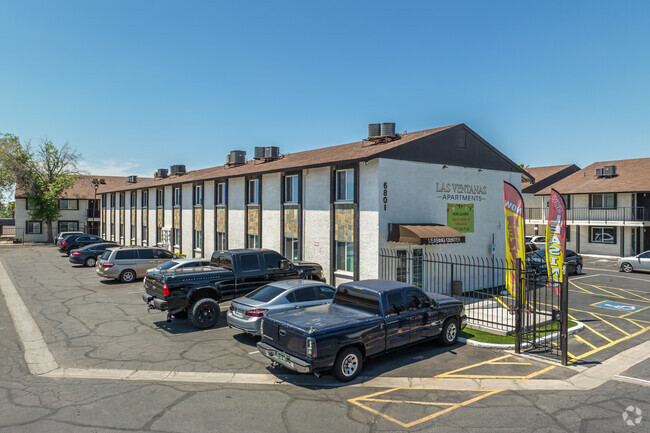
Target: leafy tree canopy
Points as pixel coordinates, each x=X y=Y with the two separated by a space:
x=42 y=175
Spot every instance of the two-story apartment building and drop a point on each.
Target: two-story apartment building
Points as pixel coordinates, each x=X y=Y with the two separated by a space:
x=438 y=190
x=543 y=178
x=608 y=207
x=79 y=209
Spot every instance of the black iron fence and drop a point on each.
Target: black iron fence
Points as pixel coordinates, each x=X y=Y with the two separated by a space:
x=531 y=311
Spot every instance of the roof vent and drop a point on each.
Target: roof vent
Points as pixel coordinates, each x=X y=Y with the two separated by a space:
x=374 y=130
x=236 y=157
x=177 y=169
x=609 y=170
x=132 y=179
x=162 y=172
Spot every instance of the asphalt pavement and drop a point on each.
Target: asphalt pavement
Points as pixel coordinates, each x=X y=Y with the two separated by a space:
x=214 y=380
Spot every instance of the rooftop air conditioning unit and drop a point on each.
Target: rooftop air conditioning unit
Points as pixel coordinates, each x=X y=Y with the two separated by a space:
x=132 y=179
x=599 y=172
x=259 y=152
x=162 y=172
x=272 y=152
x=177 y=169
x=374 y=130
x=236 y=157
x=609 y=170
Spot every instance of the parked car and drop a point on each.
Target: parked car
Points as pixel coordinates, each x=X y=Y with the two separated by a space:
x=365 y=319
x=537 y=262
x=539 y=241
x=196 y=292
x=640 y=262
x=87 y=255
x=64 y=235
x=180 y=263
x=246 y=313
x=73 y=242
x=531 y=248
x=128 y=263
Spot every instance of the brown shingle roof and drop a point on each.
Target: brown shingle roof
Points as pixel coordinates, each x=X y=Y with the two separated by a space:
x=343 y=153
x=545 y=176
x=632 y=175
x=83 y=187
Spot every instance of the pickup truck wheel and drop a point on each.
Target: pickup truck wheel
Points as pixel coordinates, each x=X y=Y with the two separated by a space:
x=127 y=276
x=449 y=332
x=348 y=364
x=204 y=313
x=90 y=262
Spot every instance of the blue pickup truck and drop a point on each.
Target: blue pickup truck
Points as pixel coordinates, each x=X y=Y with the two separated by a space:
x=365 y=319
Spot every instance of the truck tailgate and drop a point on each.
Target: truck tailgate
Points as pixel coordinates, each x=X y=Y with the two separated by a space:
x=153 y=285
x=285 y=336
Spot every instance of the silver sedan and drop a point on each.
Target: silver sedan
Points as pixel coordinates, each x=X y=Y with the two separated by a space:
x=246 y=313
x=640 y=262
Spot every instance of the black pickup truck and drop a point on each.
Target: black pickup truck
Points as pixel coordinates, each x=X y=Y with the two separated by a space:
x=196 y=292
x=365 y=319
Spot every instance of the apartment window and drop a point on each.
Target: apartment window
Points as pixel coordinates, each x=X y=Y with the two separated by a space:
x=145 y=198
x=253 y=241
x=221 y=194
x=345 y=185
x=103 y=200
x=345 y=256
x=221 y=241
x=134 y=199
x=177 y=197
x=568 y=233
x=133 y=234
x=160 y=197
x=68 y=226
x=176 y=233
x=291 y=189
x=158 y=235
x=602 y=201
x=253 y=191
x=34 y=228
x=291 y=250
x=198 y=195
x=65 y=204
x=198 y=239
x=112 y=200
x=121 y=232
x=122 y=199
x=603 y=235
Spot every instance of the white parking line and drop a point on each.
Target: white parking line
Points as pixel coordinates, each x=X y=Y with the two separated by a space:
x=632 y=379
x=253 y=353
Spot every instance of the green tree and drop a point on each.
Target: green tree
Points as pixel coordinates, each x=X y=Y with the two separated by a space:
x=8 y=210
x=42 y=175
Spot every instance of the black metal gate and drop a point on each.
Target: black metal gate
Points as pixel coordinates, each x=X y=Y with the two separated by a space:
x=541 y=312
x=533 y=313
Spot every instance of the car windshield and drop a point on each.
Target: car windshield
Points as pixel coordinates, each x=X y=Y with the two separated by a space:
x=265 y=293
x=167 y=265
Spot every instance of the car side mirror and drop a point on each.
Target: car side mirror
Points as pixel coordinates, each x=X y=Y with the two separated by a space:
x=285 y=265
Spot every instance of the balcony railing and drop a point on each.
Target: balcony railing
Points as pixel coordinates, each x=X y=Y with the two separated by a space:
x=585 y=214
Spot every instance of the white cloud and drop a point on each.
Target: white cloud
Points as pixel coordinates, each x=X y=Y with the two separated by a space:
x=113 y=168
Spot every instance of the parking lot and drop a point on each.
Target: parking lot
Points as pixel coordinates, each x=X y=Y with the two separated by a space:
x=121 y=367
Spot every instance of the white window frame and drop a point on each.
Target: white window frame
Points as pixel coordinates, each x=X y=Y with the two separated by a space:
x=348 y=248
x=292 y=248
x=348 y=194
x=254 y=194
x=176 y=196
x=221 y=194
x=291 y=189
x=198 y=195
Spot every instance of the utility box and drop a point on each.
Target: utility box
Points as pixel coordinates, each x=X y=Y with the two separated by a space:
x=456 y=288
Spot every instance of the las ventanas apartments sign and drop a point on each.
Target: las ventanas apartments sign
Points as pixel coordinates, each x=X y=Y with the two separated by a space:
x=461 y=215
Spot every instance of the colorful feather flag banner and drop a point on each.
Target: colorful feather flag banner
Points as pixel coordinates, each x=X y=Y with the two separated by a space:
x=555 y=240
x=514 y=215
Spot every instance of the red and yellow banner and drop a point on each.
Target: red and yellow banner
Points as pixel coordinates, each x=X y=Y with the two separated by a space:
x=555 y=240
x=514 y=213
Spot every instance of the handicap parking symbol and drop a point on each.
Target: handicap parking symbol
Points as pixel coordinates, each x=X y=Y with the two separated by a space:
x=618 y=306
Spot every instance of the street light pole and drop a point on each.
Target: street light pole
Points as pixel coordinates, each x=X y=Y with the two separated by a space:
x=95 y=186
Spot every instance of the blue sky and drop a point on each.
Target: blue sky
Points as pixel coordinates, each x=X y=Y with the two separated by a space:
x=137 y=85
